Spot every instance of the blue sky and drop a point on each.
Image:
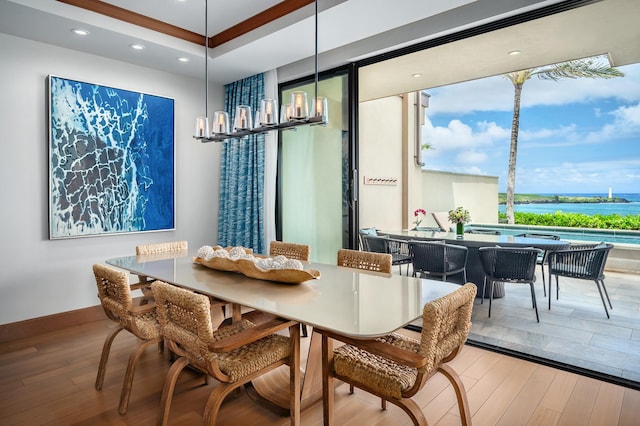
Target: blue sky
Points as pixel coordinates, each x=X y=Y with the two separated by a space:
x=576 y=135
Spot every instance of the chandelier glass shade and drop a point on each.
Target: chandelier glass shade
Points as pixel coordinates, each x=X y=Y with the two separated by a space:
x=293 y=114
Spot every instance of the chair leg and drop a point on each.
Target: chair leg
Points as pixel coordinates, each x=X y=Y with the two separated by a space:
x=484 y=284
x=602 y=297
x=490 y=295
x=414 y=411
x=533 y=300
x=544 y=284
x=606 y=293
x=168 y=388
x=106 y=348
x=461 y=394
x=215 y=400
x=327 y=381
x=128 y=376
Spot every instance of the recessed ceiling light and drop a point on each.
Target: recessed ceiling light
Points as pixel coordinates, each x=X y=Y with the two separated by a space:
x=416 y=75
x=183 y=59
x=137 y=46
x=514 y=53
x=80 y=31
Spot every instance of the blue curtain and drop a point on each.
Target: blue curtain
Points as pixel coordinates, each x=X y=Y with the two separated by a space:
x=241 y=211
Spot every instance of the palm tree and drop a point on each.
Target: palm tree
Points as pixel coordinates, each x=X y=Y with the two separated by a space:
x=581 y=68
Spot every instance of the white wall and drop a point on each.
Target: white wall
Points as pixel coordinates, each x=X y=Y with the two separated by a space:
x=444 y=191
x=380 y=155
x=40 y=277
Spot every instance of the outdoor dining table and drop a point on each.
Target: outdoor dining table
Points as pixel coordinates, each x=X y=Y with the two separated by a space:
x=350 y=302
x=473 y=242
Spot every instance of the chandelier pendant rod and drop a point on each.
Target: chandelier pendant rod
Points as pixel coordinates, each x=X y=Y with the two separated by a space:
x=203 y=135
x=316 y=53
x=206 y=60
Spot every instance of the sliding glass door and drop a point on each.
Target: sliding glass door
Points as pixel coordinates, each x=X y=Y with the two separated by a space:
x=315 y=174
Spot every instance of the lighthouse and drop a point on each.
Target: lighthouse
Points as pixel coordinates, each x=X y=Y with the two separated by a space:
x=610 y=193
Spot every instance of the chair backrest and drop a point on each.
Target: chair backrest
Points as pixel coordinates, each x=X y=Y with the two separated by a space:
x=368 y=261
x=396 y=246
x=300 y=252
x=365 y=231
x=584 y=261
x=445 y=326
x=442 y=219
x=185 y=318
x=375 y=244
x=114 y=293
x=509 y=263
x=437 y=257
x=159 y=248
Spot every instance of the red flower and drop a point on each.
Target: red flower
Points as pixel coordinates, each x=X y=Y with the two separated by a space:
x=419 y=212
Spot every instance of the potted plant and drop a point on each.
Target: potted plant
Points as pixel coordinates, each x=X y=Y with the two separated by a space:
x=418 y=217
x=459 y=216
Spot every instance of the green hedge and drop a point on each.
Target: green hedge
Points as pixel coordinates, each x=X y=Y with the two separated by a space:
x=576 y=220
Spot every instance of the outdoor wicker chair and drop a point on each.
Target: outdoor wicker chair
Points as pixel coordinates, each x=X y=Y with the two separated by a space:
x=396 y=367
x=437 y=259
x=375 y=243
x=582 y=262
x=509 y=265
x=114 y=292
x=398 y=249
x=233 y=355
x=542 y=257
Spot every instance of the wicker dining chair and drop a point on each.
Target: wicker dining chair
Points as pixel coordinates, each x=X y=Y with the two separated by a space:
x=233 y=355
x=367 y=261
x=364 y=260
x=509 y=265
x=295 y=251
x=397 y=367
x=439 y=260
x=582 y=262
x=171 y=247
x=114 y=292
x=301 y=252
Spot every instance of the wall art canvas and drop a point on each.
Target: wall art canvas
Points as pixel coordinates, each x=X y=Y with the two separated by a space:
x=111 y=160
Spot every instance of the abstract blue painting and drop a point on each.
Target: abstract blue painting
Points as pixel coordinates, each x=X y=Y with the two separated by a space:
x=111 y=160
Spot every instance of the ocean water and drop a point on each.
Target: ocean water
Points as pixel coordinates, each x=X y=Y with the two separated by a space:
x=631 y=208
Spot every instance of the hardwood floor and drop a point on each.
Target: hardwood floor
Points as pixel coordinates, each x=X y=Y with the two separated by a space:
x=48 y=380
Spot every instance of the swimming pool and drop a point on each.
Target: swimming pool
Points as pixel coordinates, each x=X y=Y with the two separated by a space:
x=615 y=236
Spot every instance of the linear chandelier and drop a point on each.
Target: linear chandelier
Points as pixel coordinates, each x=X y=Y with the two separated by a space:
x=268 y=118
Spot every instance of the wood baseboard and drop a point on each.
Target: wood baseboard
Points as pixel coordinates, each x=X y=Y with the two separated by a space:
x=35 y=326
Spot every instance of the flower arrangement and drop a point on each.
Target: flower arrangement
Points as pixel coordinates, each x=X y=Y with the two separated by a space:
x=417 y=214
x=459 y=215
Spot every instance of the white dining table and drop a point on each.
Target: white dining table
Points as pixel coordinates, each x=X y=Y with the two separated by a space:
x=346 y=301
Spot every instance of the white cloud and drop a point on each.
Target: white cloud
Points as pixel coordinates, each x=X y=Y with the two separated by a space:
x=626 y=124
x=459 y=135
x=496 y=93
x=471 y=157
